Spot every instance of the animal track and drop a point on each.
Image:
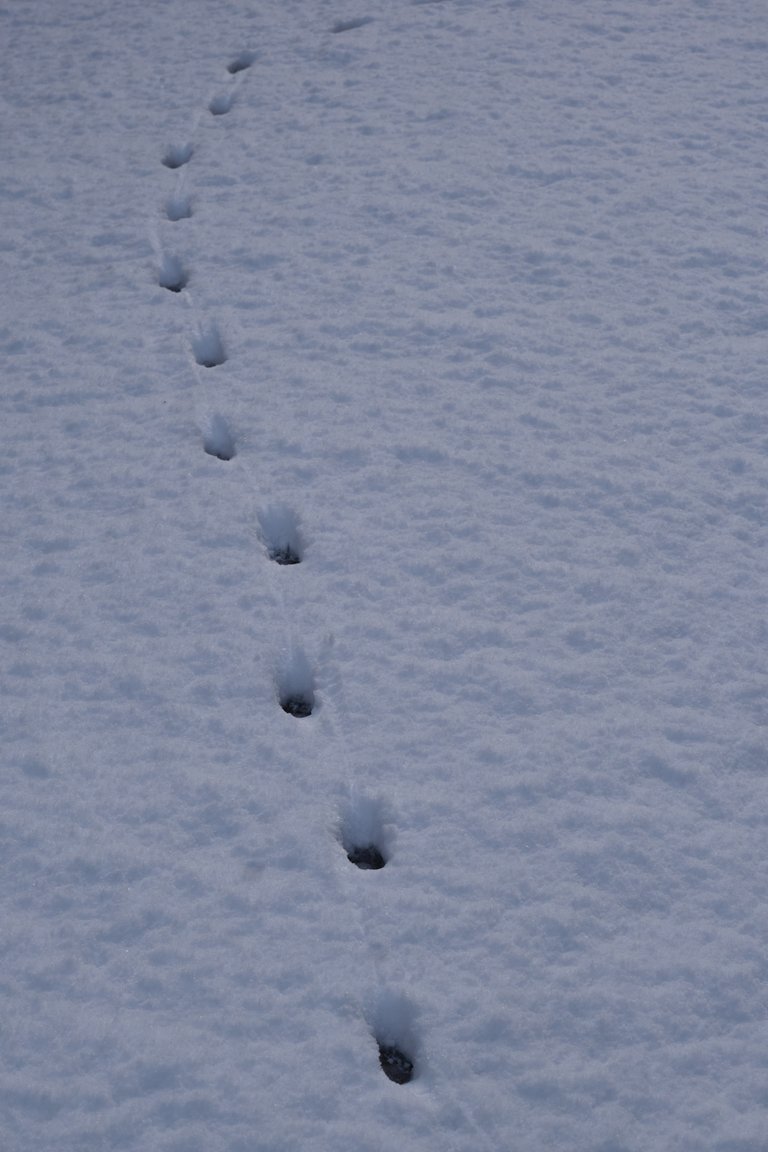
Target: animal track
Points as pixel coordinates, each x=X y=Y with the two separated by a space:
x=280 y=533
x=296 y=687
x=172 y=275
x=178 y=207
x=364 y=833
x=221 y=104
x=241 y=62
x=209 y=349
x=218 y=440
x=393 y=1027
x=178 y=155
x=350 y=25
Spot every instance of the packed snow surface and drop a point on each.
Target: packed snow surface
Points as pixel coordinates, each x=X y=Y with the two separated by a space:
x=402 y=364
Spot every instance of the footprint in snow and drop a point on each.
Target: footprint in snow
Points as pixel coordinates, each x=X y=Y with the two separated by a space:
x=178 y=155
x=240 y=63
x=393 y=1023
x=365 y=835
x=280 y=534
x=208 y=348
x=296 y=685
x=172 y=275
x=218 y=440
x=178 y=207
x=221 y=104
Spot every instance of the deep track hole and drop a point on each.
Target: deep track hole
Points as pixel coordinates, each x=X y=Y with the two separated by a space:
x=298 y=706
x=281 y=534
x=284 y=554
x=395 y=1064
x=366 y=856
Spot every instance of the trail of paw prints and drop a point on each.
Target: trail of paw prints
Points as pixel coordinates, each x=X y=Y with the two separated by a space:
x=207 y=345
x=366 y=836
x=364 y=830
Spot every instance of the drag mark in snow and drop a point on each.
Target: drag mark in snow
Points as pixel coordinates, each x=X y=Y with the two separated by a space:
x=281 y=535
x=221 y=104
x=178 y=207
x=218 y=440
x=178 y=155
x=208 y=348
x=172 y=275
x=350 y=25
x=241 y=62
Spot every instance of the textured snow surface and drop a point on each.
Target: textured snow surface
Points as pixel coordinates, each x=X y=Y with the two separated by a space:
x=408 y=358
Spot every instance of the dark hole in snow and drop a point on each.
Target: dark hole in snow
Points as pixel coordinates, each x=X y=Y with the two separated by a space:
x=298 y=706
x=395 y=1064
x=284 y=555
x=220 y=453
x=366 y=856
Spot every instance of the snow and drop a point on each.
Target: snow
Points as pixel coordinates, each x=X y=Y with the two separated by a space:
x=460 y=305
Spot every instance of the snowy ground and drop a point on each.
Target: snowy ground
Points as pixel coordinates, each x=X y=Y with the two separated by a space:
x=485 y=283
